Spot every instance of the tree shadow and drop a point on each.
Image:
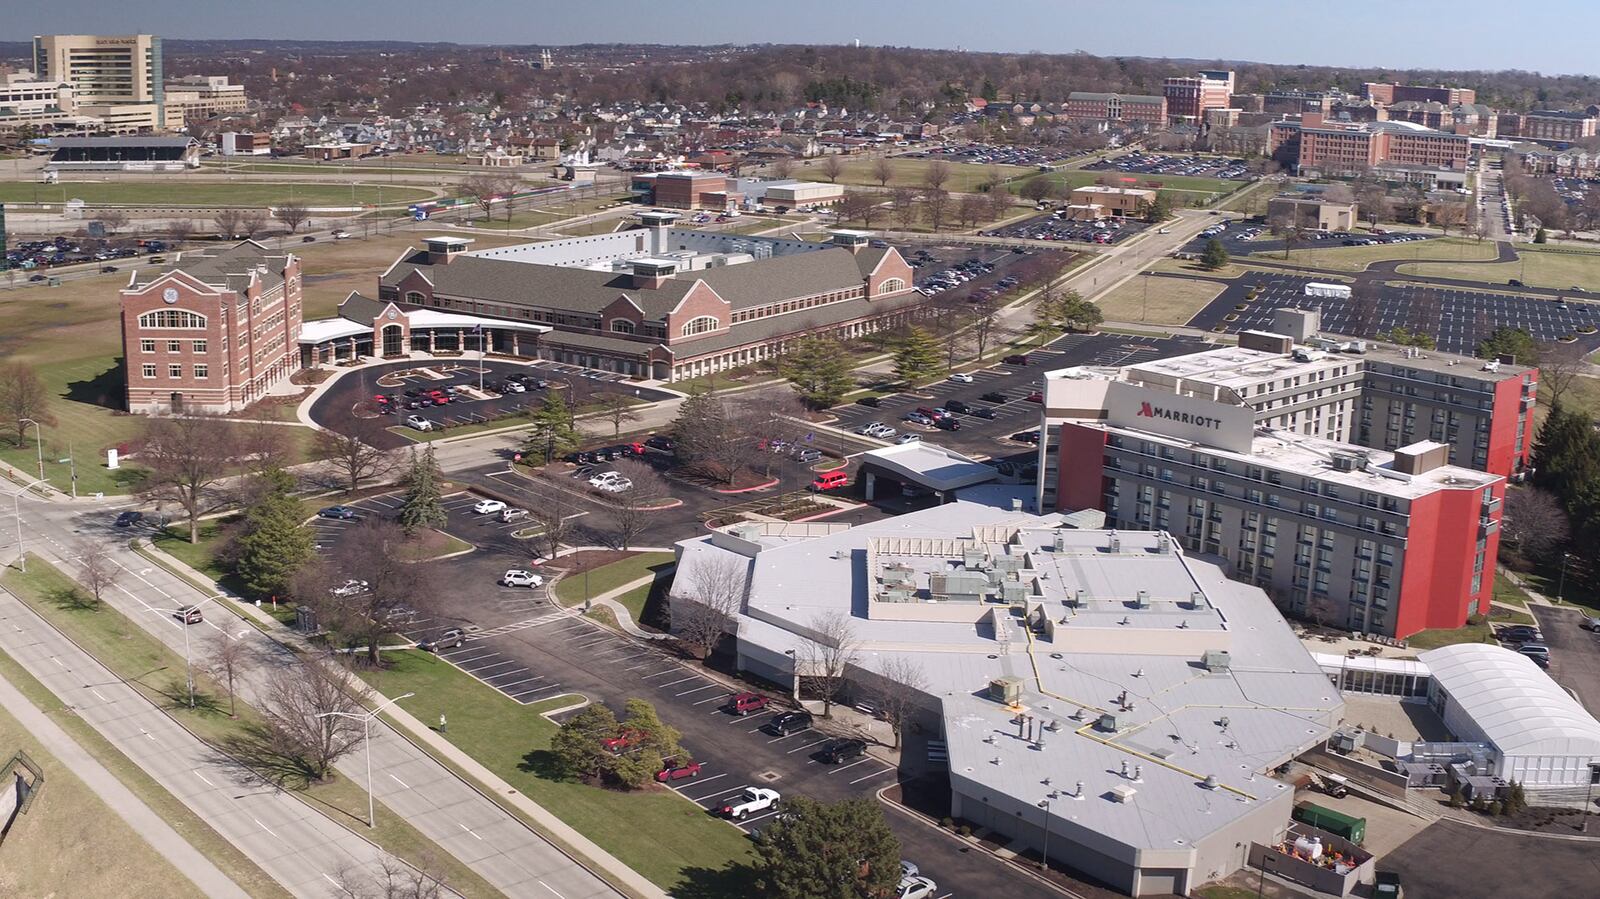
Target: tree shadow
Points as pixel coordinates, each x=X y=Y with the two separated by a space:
x=655 y=612
x=108 y=389
x=72 y=599
x=543 y=764
x=731 y=882
x=254 y=751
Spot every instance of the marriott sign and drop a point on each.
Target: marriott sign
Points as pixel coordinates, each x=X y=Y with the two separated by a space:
x=1200 y=419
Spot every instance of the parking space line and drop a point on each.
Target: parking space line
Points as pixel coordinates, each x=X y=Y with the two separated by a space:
x=806 y=746
x=494 y=665
x=526 y=680
x=678 y=681
x=860 y=761
x=723 y=793
x=672 y=670
x=712 y=699
x=698 y=781
x=697 y=689
x=870 y=776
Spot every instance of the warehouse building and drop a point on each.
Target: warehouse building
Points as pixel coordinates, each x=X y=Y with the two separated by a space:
x=1075 y=676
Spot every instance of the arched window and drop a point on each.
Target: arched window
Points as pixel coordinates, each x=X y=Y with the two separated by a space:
x=172 y=318
x=622 y=326
x=891 y=285
x=415 y=297
x=700 y=325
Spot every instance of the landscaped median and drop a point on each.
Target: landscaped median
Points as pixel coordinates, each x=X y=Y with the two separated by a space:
x=149 y=666
x=671 y=841
x=581 y=581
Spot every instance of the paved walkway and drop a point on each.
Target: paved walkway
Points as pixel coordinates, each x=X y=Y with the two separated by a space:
x=299 y=847
x=129 y=807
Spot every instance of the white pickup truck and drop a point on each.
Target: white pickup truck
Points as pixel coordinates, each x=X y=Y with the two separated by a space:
x=753 y=799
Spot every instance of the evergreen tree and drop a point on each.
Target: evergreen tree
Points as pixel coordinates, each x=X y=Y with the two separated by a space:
x=1539 y=236
x=1214 y=256
x=917 y=358
x=819 y=370
x=554 y=432
x=423 y=505
x=1160 y=209
x=1566 y=458
x=840 y=850
x=650 y=743
x=701 y=423
x=1078 y=314
x=578 y=747
x=272 y=545
x=1508 y=341
x=1406 y=337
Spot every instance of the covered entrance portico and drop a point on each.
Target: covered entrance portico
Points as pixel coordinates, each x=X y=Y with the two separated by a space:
x=364 y=324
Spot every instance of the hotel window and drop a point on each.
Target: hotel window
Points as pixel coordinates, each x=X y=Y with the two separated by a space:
x=147 y=346
x=148 y=370
x=171 y=318
x=201 y=370
x=174 y=346
x=199 y=346
x=174 y=371
x=622 y=326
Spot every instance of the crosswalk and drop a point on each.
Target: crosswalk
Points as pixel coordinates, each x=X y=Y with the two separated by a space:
x=515 y=626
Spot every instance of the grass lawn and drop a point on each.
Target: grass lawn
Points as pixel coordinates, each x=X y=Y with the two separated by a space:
x=1433 y=639
x=173 y=191
x=660 y=835
x=146 y=664
x=1507 y=592
x=1355 y=259
x=1077 y=179
x=964 y=178
x=1230 y=271
x=606 y=578
x=1170 y=301
x=69 y=824
x=1536 y=268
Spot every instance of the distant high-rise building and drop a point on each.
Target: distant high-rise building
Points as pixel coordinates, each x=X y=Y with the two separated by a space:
x=115 y=77
x=1189 y=96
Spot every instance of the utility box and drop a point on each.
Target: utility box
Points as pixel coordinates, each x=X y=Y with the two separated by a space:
x=1348 y=826
x=1007 y=690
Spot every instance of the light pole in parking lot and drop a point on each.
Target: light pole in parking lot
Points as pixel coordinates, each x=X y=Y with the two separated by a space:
x=1561 y=582
x=1044 y=857
x=366 y=736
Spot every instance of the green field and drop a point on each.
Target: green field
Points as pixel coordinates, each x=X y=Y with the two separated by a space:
x=1355 y=259
x=181 y=192
x=1162 y=300
x=609 y=577
x=1190 y=183
x=663 y=836
x=1535 y=268
x=964 y=177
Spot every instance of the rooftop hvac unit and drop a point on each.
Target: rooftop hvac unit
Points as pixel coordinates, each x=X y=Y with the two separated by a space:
x=1060 y=542
x=1141 y=600
x=1163 y=542
x=1123 y=793
x=1006 y=690
x=1107 y=723
x=973 y=558
x=1078 y=597
x=1014 y=594
x=1114 y=543
x=1216 y=661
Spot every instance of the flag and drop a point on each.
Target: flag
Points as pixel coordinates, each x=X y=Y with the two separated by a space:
x=478 y=328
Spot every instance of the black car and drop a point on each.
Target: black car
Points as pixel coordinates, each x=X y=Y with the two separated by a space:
x=947 y=424
x=1027 y=437
x=519 y=377
x=1019 y=359
x=789 y=723
x=343 y=513
x=993 y=396
x=308 y=239
x=1514 y=283
x=872 y=401
x=129 y=518
x=983 y=412
x=661 y=442
x=957 y=406
x=107 y=269
x=413 y=391
x=36 y=278
x=837 y=751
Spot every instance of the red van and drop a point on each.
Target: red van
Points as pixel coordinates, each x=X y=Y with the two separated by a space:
x=830 y=480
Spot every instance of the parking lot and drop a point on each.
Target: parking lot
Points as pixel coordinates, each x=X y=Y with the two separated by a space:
x=408 y=383
x=1008 y=387
x=1456 y=319
x=1173 y=164
x=991 y=154
x=1241 y=239
x=1051 y=226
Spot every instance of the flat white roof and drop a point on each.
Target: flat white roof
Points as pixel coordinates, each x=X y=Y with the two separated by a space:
x=1517 y=706
x=931 y=466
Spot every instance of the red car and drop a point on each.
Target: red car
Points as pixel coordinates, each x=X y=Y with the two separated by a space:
x=381 y=400
x=439 y=397
x=675 y=771
x=1036 y=397
x=744 y=703
x=621 y=742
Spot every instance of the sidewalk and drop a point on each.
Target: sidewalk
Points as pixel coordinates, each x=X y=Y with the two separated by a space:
x=129 y=807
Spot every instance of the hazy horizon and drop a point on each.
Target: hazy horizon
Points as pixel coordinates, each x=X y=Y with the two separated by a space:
x=1462 y=35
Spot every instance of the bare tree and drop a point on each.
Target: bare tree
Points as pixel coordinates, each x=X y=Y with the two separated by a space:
x=1449 y=215
x=227 y=222
x=853 y=206
x=615 y=408
x=971 y=209
x=832 y=167
x=97 y=569
x=883 y=171
x=936 y=175
x=113 y=220
x=482 y=188
x=782 y=167
x=937 y=202
x=368 y=589
x=1534 y=523
x=24 y=401
x=186 y=457
x=354 y=452
x=226 y=665
x=827 y=652
x=904 y=209
x=262 y=446
x=1560 y=364
x=180 y=231
x=252 y=221
x=897 y=691
x=554 y=517
x=630 y=509
x=706 y=601
x=293 y=214
x=394 y=879
x=988 y=327
x=998 y=200
x=298 y=712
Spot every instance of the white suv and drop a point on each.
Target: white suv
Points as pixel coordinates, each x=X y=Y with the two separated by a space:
x=516 y=577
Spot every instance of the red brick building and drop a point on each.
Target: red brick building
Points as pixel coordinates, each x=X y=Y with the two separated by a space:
x=1084 y=106
x=213 y=335
x=1189 y=96
x=1312 y=146
x=1385 y=94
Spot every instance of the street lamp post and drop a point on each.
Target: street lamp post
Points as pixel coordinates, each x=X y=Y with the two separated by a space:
x=22 y=555
x=188 y=663
x=366 y=736
x=1561 y=582
x=38 y=441
x=1044 y=861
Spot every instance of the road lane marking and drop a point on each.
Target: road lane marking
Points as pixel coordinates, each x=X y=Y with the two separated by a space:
x=203 y=777
x=263 y=826
x=400 y=782
x=467 y=829
x=552 y=890
x=97 y=693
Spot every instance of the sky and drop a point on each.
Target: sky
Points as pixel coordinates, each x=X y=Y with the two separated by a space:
x=1553 y=37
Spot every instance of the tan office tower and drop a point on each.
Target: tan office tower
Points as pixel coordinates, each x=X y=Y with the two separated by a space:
x=106 y=71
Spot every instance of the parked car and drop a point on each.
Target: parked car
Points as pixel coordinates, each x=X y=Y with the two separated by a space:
x=1019 y=359
x=1535 y=651
x=872 y=401
x=517 y=577
x=916 y=887
x=831 y=480
x=129 y=518
x=843 y=750
x=917 y=418
x=1589 y=622
x=808 y=456
x=343 y=513
x=676 y=770
x=1027 y=437
x=994 y=396
x=788 y=723
x=515 y=387
x=1519 y=633
x=742 y=704
x=487 y=506
x=908 y=438
x=622 y=741
x=948 y=424
x=351 y=587
x=661 y=442
x=961 y=377
x=957 y=406
x=983 y=412
x=418 y=422
x=190 y=615
x=752 y=800
x=454 y=638
x=509 y=515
